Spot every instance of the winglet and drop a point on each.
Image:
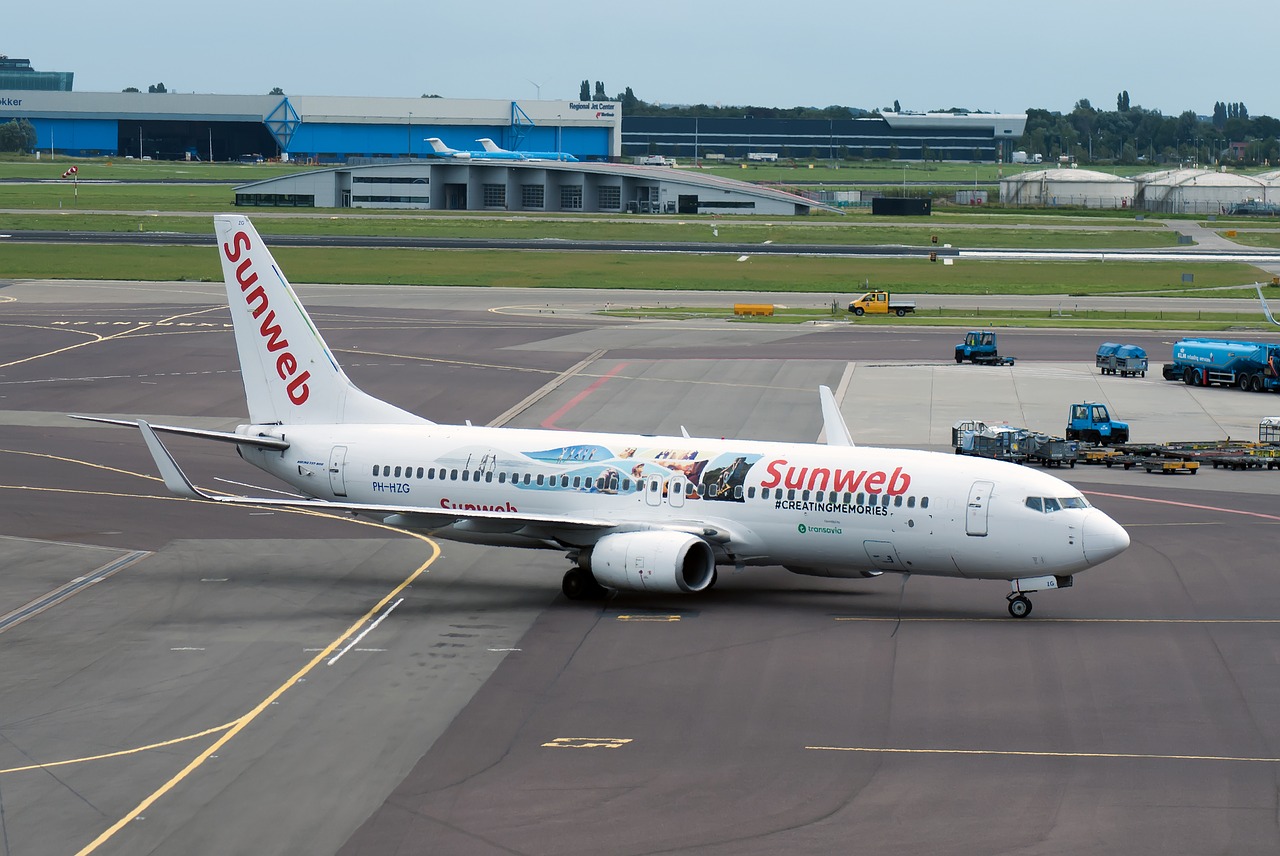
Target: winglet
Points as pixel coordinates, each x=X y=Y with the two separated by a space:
x=1266 y=310
x=833 y=423
x=174 y=478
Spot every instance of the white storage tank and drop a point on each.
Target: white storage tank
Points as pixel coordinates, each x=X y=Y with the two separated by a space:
x=1075 y=187
x=1197 y=191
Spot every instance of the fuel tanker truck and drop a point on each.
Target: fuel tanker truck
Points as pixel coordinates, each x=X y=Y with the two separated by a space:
x=1251 y=366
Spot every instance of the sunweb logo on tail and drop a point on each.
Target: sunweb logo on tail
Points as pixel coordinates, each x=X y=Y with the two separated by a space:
x=259 y=304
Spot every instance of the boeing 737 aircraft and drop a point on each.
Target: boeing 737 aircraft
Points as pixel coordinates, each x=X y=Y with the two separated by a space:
x=632 y=512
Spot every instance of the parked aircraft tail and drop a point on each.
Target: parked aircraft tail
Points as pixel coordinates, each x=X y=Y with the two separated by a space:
x=290 y=375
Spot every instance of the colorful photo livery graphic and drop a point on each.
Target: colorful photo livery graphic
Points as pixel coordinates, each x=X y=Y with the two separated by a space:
x=712 y=476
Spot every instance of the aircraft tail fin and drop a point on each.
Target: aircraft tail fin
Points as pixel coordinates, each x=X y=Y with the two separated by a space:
x=290 y=375
x=489 y=145
x=438 y=146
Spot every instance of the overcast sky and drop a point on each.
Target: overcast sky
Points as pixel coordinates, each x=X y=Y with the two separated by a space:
x=927 y=54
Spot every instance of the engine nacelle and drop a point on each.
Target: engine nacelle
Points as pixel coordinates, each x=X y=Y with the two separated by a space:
x=653 y=561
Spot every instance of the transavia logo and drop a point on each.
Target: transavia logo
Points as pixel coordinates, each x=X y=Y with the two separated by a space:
x=819 y=530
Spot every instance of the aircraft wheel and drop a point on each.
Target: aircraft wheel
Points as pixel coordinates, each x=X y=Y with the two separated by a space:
x=1020 y=606
x=578 y=584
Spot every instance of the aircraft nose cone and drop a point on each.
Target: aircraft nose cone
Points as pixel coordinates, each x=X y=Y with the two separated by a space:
x=1103 y=538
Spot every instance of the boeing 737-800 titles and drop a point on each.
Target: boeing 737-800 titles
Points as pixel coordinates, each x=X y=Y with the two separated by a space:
x=633 y=512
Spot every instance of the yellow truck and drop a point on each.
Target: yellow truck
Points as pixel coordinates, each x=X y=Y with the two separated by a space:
x=878 y=303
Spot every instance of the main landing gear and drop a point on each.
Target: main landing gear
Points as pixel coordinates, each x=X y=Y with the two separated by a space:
x=579 y=584
x=1020 y=604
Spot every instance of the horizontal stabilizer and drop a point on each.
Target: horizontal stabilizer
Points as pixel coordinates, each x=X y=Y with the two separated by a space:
x=221 y=436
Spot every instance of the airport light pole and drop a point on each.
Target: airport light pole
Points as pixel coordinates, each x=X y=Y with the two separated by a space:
x=408 y=136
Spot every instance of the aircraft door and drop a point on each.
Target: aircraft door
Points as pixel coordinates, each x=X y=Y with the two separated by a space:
x=337 y=464
x=883 y=555
x=653 y=490
x=975 y=518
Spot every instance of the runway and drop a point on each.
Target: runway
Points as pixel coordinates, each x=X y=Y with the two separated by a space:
x=180 y=678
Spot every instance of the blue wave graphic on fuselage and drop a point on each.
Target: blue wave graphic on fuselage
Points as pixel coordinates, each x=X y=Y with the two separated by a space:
x=573 y=454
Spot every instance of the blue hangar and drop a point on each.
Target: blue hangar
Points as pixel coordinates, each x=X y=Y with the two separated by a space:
x=305 y=128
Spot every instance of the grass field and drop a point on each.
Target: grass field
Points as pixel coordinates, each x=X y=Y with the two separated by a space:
x=854 y=231
x=677 y=272
x=138 y=204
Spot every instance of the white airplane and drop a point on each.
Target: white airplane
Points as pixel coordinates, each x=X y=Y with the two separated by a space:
x=490 y=151
x=633 y=512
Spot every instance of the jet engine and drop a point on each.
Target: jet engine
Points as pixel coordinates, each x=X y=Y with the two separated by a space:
x=653 y=562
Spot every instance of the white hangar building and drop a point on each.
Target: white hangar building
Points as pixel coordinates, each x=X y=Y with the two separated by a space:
x=519 y=185
x=1075 y=187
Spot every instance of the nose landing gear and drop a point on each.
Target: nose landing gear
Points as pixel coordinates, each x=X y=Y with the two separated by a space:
x=1019 y=605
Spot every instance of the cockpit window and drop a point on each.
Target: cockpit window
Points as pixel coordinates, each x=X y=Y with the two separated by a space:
x=1074 y=502
x=1034 y=503
x=1051 y=505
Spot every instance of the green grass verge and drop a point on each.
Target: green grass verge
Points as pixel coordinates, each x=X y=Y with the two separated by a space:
x=857 y=232
x=676 y=272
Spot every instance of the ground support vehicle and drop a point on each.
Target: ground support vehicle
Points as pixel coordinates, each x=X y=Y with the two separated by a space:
x=879 y=303
x=981 y=348
x=1000 y=442
x=1091 y=422
x=1269 y=429
x=1251 y=366
x=1170 y=466
x=1124 y=360
x=1053 y=451
x=1245 y=461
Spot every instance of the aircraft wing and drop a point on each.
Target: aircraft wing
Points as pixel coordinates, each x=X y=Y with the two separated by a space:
x=409 y=515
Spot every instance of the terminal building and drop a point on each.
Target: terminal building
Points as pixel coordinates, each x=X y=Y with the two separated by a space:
x=985 y=137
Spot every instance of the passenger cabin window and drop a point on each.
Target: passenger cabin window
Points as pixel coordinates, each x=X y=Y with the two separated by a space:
x=397 y=472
